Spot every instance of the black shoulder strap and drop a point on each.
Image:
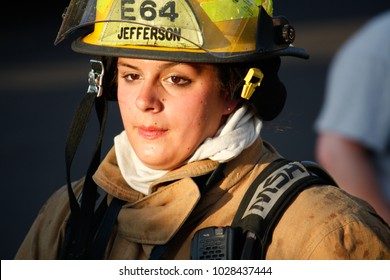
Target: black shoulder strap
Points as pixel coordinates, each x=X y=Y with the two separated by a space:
x=269 y=196
x=84 y=217
x=105 y=229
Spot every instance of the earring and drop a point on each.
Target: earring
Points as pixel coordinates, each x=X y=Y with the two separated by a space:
x=228 y=108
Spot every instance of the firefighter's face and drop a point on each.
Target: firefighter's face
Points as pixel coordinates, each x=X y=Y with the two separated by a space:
x=168 y=108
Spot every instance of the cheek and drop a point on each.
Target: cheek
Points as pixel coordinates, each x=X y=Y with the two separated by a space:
x=207 y=118
x=121 y=94
x=124 y=103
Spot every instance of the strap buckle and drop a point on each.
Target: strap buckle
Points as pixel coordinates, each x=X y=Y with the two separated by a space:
x=252 y=80
x=95 y=77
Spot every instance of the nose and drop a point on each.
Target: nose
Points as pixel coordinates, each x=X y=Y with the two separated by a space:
x=149 y=97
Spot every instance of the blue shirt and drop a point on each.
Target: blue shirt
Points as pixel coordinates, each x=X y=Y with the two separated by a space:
x=357 y=97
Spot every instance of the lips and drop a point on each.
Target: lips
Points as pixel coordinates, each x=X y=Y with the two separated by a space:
x=151 y=132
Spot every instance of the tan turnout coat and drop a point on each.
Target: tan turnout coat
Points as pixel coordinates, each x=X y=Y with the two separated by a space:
x=322 y=223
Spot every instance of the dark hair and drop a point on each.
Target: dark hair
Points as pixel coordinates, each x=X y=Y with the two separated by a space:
x=268 y=100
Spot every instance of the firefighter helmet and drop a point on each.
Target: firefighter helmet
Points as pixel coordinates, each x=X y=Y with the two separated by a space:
x=215 y=31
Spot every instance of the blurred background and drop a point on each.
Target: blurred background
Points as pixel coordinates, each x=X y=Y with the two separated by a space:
x=42 y=84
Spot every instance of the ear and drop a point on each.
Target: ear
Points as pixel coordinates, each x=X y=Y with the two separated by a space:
x=230 y=105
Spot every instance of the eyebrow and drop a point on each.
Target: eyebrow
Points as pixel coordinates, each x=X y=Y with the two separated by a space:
x=166 y=65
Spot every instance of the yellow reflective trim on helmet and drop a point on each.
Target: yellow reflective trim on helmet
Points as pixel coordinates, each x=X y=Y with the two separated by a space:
x=221 y=10
x=267 y=5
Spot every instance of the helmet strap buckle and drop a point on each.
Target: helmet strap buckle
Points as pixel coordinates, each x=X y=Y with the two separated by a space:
x=95 y=77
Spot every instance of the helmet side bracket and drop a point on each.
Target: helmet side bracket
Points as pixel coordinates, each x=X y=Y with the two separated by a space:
x=273 y=33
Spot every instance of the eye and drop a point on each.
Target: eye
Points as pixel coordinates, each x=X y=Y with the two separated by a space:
x=131 y=77
x=177 y=80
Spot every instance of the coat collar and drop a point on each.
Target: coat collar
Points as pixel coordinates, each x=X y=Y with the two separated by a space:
x=155 y=218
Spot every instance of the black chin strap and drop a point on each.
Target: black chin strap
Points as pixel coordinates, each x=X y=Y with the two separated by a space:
x=82 y=222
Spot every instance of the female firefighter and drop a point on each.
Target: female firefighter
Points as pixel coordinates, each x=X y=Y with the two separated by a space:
x=194 y=84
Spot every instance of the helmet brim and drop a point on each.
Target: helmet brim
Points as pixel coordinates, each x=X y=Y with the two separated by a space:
x=183 y=56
